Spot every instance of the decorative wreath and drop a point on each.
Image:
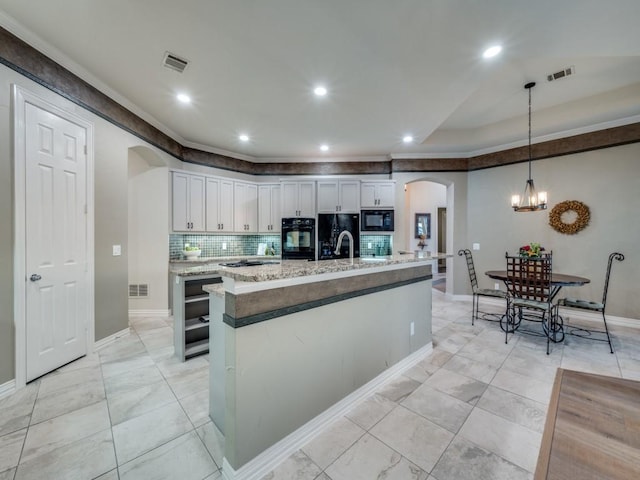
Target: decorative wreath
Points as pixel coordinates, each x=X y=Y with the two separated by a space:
x=581 y=221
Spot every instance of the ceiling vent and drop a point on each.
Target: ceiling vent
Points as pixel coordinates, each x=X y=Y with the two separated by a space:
x=562 y=73
x=174 y=62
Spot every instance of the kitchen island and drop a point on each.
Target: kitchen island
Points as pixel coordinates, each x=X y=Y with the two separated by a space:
x=298 y=343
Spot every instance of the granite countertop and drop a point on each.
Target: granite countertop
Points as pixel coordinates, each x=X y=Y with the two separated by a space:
x=209 y=260
x=296 y=268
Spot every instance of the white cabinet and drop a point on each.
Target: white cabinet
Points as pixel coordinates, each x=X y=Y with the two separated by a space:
x=339 y=196
x=298 y=199
x=245 y=200
x=219 y=205
x=269 y=218
x=377 y=194
x=188 y=202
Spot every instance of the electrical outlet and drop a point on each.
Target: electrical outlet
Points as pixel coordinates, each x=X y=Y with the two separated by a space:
x=496 y=286
x=369 y=245
x=117 y=250
x=413 y=329
x=224 y=245
x=476 y=246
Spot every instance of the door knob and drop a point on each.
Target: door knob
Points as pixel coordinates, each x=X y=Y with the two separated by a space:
x=35 y=277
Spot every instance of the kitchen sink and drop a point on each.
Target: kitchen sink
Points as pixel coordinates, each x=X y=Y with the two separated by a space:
x=249 y=263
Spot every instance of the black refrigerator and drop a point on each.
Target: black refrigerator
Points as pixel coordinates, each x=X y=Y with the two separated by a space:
x=329 y=227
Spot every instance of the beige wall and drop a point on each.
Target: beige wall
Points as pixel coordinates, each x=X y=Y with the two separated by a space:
x=7 y=332
x=605 y=180
x=148 y=232
x=110 y=202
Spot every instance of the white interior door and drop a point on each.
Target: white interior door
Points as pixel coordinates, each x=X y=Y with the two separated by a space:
x=56 y=305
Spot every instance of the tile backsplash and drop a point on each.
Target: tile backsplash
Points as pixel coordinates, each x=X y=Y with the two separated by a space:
x=380 y=245
x=211 y=245
x=241 y=245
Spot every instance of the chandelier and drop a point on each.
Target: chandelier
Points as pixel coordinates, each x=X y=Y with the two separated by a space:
x=531 y=200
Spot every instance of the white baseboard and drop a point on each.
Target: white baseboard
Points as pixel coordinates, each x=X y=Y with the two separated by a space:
x=597 y=318
x=7 y=388
x=103 y=342
x=149 y=313
x=269 y=459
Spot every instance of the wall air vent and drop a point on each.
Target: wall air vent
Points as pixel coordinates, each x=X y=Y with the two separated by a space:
x=139 y=290
x=174 y=62
x=561 y=74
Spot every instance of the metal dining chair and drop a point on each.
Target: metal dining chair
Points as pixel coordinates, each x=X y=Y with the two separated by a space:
x=530 y=296
x=570 y=302
x=480 y=292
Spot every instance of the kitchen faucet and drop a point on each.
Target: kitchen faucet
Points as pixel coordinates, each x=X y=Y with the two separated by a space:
x=339 y=242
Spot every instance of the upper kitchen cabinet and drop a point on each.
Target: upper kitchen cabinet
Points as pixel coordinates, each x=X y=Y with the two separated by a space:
x=219 y=205
x=245 y=199
x=298 y=199
x=188 y=212
x=269 y=217
x=377 y=194
x=339 y=196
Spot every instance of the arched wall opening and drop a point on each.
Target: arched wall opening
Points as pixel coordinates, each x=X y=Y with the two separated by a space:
x=426 y=193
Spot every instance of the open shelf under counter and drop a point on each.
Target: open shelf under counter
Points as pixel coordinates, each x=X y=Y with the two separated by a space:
x=196 y=348
x=190 y=304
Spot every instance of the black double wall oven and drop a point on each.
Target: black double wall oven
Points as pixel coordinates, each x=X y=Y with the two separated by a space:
x=298 y=238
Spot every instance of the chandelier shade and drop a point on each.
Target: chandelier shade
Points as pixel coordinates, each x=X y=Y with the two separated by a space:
x=531 y=200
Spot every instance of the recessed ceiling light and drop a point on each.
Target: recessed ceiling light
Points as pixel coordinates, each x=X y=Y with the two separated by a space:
x=243 y=137
x=324 y=147
x=407 y=139
x=320 y=91
x=183 y=98
x=492 y=51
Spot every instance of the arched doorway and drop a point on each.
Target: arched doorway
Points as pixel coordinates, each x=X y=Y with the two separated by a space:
x=426 y=207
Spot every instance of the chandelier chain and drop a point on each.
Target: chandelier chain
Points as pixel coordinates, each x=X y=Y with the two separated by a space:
x=529 y=133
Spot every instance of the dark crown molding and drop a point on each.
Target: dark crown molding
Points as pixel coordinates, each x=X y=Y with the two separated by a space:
x=26 y=60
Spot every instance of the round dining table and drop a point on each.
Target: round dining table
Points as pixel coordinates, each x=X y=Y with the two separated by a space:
x=558 y=280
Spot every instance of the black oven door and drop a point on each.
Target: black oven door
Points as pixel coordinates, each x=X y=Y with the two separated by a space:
x=298 y=238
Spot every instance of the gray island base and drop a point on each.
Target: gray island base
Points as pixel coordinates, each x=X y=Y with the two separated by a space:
x=293 y=346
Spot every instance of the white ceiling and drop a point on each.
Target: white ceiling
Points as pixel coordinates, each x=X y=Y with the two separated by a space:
x=392 y=67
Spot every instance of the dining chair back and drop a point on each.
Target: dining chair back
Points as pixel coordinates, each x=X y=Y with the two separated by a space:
x=529 y=278
x=480 y=292
x=599 y=307
x=530 y=295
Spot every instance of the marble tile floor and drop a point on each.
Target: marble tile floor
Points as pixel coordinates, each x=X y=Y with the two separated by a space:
x=473 y=409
